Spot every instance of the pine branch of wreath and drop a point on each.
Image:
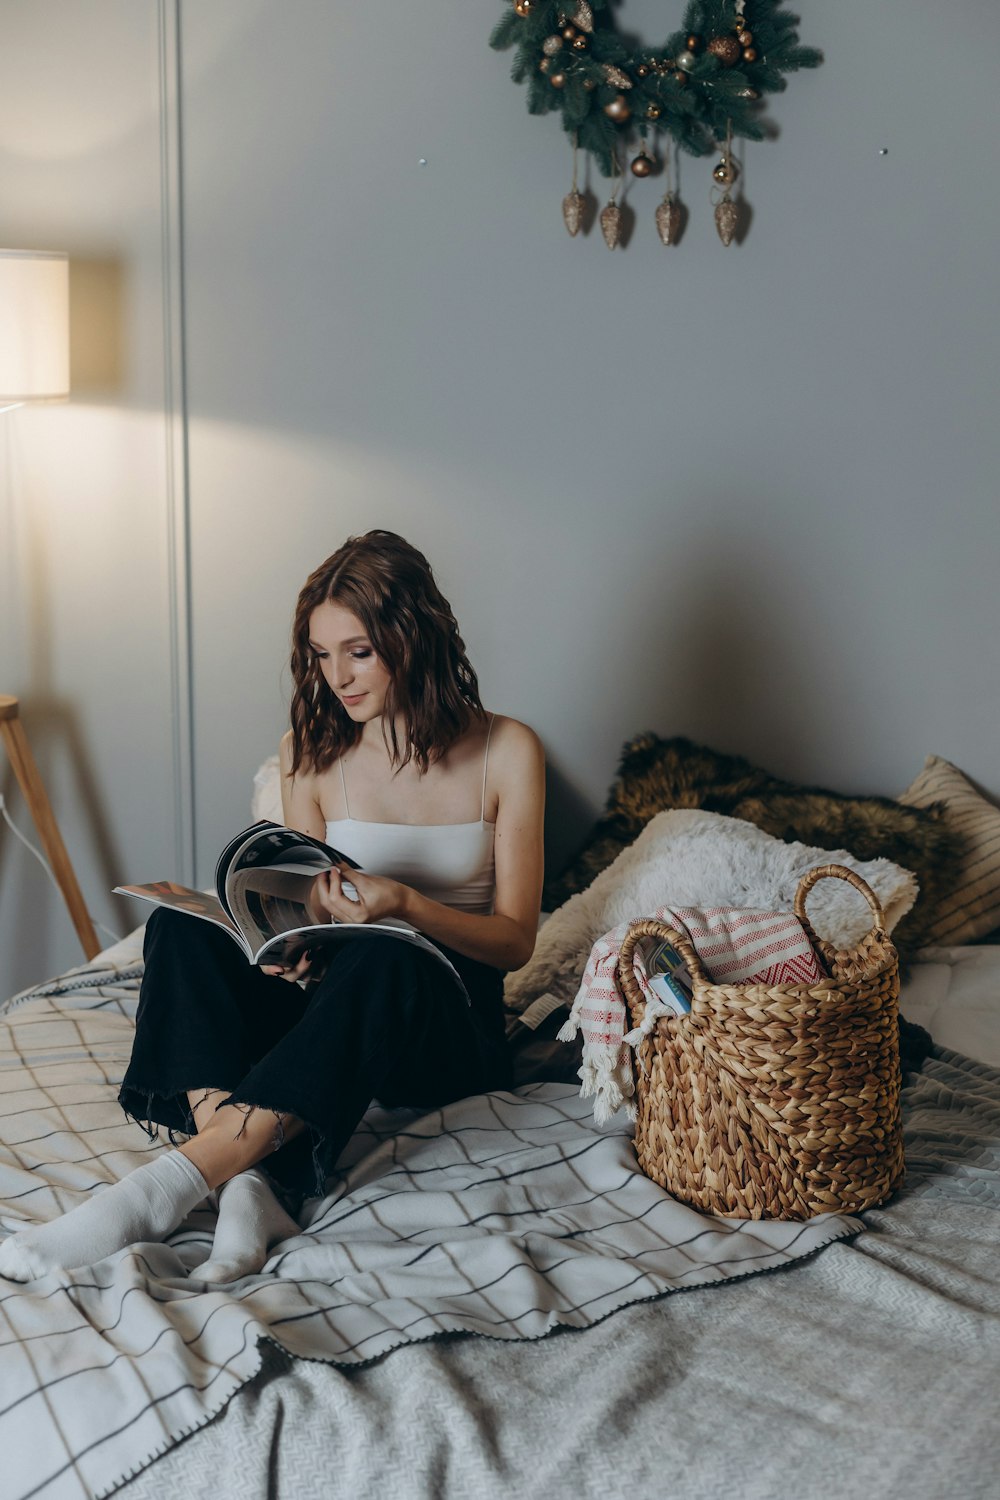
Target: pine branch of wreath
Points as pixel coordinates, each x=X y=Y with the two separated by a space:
x=697 y=92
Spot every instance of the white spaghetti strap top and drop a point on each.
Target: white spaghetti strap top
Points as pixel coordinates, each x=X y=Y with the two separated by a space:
x=448 y=862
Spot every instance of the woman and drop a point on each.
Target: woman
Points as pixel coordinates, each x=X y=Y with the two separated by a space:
x=390 y=756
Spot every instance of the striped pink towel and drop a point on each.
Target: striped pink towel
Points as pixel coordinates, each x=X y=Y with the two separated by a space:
x=735 y=945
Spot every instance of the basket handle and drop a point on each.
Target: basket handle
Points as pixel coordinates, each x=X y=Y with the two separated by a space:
x=835 y=872
x=652 y=927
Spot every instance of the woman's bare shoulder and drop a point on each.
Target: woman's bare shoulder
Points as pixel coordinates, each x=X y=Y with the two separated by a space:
x=514 y=742
x=305 y=773
x=285 y=752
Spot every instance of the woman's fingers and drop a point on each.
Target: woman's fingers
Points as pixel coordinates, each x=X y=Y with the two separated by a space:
x=291 y=971
x=329 y=895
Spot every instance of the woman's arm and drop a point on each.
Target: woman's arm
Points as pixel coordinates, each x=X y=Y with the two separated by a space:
x=505 y=939
x=299 y=798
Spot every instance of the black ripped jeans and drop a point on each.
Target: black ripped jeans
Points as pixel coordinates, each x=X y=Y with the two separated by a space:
x=385 y=1021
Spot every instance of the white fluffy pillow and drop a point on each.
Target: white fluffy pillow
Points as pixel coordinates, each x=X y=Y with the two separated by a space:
x=267 y=792
x=694 y=858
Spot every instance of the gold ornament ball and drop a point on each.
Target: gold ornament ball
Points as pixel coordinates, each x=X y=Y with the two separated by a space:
x=545 y=65
x=653 y=112
x=726 y=172
x=523 y=7
x=557 y=80
x=745 y=38
x=680 y=78
x=642 y=166
x=552 y=45
x=685 y=59
x=618 y=110
x=642 y=70
x=694 y=42
x=569 y=33
x=726 y=49
x=749 y=54
x=580 y=42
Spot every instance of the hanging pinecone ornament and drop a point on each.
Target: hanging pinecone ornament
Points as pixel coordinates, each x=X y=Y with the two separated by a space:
x=611 y=223
x=726 y=216
x=572 y=206
x=668 y=218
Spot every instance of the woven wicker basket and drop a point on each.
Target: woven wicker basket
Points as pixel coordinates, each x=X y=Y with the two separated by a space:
x=774 y=1102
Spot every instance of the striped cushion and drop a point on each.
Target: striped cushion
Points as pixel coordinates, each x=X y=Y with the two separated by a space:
x=972 y=909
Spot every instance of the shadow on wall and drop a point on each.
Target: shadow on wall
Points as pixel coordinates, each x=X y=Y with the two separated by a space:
x=714 y=627
x=97 y=302
x=568 y=816
x=742 y=680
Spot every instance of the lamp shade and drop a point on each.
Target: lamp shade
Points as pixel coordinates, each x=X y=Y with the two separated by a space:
x=34 y=325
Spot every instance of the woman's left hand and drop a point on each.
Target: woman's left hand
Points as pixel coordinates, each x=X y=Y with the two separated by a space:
x=378 y=896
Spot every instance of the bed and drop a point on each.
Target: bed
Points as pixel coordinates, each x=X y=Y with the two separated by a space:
x=491 y=1299
x=469 y=1314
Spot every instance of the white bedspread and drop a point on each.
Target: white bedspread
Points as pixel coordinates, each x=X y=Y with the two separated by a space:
x=506 y=1215
x=955 y=994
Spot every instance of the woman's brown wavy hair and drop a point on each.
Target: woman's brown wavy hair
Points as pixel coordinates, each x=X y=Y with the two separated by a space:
x=390 y=587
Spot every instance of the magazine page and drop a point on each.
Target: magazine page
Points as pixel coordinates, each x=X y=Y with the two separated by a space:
x=194 y=903
x=268 y=900
x=269 y=845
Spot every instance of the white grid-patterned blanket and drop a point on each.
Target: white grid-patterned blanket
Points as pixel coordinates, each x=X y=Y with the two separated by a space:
x=508 y=1215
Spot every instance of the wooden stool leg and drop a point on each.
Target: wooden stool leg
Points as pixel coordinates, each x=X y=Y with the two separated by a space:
x=31 y=784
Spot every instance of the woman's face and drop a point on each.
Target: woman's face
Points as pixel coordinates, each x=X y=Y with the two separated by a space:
x=348 y=661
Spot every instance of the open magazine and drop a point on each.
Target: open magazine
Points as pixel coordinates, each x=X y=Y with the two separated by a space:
x=262 y=883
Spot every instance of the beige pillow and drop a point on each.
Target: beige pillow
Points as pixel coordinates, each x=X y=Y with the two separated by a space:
x=972 y=909
x=267 y=792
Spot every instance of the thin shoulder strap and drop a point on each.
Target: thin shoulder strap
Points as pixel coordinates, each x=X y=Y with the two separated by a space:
x=482 y=812
x=343 y=783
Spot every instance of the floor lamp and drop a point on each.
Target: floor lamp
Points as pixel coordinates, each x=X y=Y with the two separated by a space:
x=34 y=366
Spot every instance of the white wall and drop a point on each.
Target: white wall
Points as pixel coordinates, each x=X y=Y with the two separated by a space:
x=746 y=495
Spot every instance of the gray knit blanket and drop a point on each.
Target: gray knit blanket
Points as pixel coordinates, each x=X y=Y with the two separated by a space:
x=870 y=1369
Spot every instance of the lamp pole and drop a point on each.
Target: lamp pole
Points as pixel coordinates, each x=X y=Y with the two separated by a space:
x=31 y=784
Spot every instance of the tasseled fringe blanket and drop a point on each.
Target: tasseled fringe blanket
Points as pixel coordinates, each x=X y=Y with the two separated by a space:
x=736 y=946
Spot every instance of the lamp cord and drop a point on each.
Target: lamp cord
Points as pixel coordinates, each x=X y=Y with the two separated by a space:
x=45 y=864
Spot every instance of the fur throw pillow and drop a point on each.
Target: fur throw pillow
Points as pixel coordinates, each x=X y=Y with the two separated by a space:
x=703 y=859
x=655 y=774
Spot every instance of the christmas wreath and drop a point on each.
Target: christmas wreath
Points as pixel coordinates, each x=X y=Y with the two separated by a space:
x=702 y=87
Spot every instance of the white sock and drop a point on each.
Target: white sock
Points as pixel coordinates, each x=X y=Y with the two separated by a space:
x=145 y=1205
x=251 y=1220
